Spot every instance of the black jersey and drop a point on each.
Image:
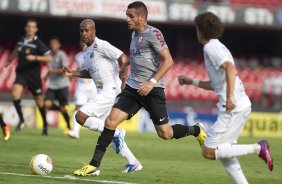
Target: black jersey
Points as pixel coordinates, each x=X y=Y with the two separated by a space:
x=34 y=47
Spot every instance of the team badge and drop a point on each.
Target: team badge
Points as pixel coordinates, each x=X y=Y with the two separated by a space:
x=95 y=45
x=140 y=40
x=99 y=85
x=92 y=55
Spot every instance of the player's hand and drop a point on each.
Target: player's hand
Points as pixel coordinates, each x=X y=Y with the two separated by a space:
x=230 y=104
x=145 y=88
x=31 y=57
x=182 y=80
x=68 y=72
x=123 y=73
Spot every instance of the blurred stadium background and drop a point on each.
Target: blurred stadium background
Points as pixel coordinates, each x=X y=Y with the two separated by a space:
x=253 y=34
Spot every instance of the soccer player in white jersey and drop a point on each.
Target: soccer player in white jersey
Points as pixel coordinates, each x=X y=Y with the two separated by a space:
x=234 y=104
x=101 y=65
x=85 y=90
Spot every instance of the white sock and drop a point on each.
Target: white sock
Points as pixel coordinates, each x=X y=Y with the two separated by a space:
x=94 y=124
x=233 y=169
x=126 y=153
x=235 y=150
x=75 y=124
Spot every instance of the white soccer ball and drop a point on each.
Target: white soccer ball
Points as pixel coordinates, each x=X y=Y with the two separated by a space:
x=41 y=164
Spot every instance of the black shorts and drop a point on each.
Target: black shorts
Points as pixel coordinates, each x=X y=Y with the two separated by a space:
x=31 y=81
x=129 y=101
x=58 y=94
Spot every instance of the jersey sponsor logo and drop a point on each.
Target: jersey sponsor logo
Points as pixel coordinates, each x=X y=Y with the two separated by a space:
x=160 y=37
x=135 y=52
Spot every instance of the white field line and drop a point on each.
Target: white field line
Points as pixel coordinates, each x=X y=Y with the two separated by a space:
x=67 y=177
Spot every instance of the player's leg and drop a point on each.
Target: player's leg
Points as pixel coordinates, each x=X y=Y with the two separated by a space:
x=62 y=96
x=74 y=132
x=34 y=85
x=5 y=129
x=234 y=170
x=17 y=90
x=155 y=104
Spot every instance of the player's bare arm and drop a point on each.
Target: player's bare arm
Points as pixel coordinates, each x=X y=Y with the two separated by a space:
x=123 y=62
x=184 y=80
x=12 y=57
x=73 y=73
x=229 y=69
x=45 y=58
x=166 y=64
x=55 y=70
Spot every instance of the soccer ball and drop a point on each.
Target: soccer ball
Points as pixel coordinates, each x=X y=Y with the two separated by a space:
x=41 y=164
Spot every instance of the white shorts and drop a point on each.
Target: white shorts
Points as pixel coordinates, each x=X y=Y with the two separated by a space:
x=100 y=106
x=84 y=93
x=227 y=128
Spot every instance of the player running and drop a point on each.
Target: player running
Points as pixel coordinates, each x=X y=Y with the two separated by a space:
x=31 y=51
x=58 y=84
x=100 y=59
x=5 y=129
x=144 y=87
x=85 y=90
x=234 y=104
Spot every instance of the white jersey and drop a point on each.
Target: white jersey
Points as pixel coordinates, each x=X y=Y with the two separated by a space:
x=101 y=62
x=215 y=54
x=85 y=88
x=80 y=66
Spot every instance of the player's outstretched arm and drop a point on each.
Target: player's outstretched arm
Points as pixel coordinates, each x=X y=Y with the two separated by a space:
x=184 y=80
x=12 y=57
x=45 y=58
x=72 y=73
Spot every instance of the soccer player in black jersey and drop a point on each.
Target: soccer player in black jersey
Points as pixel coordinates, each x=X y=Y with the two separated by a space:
x=31 y=51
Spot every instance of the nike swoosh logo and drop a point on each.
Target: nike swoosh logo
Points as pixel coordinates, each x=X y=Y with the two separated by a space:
x=162 y=119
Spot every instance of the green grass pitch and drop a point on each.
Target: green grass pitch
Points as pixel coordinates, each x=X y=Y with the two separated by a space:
x=167 y=162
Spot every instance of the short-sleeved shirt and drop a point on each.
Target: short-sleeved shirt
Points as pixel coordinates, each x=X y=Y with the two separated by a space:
x=215 y=54
x=27 y=47
x=145 y=48
x=60 y=60
x=101 y=62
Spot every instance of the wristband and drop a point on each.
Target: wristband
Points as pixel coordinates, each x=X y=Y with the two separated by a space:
x=195 y=82
x=154 y=81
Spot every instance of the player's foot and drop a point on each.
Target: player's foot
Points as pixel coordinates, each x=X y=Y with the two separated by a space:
x=20 y=126
x=202 y=135
x=87 y=170
x=265 y=154
x=119 y=139
x=66 y=131
x=45 y=132
x=130 y=168
x=72 y=134
x=6 y=132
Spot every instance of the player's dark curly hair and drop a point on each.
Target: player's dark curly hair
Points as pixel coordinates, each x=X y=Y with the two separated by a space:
x=209 y=25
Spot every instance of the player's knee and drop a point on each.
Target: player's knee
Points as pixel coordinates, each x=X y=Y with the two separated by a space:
x=110 y=123
x=79 y=118
x=164 y=134
x=48 y=104
x=208 y=153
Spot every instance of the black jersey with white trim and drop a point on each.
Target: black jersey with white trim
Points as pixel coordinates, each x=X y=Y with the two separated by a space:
x=30 y=47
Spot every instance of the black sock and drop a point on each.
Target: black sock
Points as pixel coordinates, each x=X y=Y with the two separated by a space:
x=180 y=131
x=104 y=140
x=67 y=119
x=43 y=115
x=17 y=104
x=2 y=123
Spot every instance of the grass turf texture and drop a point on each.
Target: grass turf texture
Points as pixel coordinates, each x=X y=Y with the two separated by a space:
x=176 y=161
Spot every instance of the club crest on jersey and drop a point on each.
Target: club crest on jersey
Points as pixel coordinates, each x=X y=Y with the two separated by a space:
x=140 y=40
x=92 y=55
x=95 y=45
x=99 y=85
